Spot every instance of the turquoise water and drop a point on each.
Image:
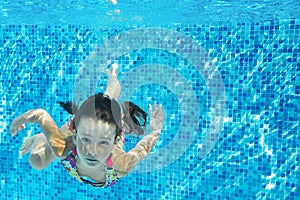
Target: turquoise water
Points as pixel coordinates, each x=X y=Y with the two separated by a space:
x=230 y=90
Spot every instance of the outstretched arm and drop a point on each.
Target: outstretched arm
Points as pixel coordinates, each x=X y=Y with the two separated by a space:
x=54 y=136
x=125 y=162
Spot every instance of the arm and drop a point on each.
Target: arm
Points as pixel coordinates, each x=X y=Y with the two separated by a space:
x=125 y=162
x=54 y=136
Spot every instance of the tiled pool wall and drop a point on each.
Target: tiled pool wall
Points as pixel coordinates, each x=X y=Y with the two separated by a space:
x=256 y=154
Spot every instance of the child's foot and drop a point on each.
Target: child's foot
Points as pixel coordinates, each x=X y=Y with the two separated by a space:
x=27 y=145
x=114 y=70
x=114 y=2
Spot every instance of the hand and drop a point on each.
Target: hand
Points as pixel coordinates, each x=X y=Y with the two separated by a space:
x=157 y=117
x=31 y=116
x=16 y=127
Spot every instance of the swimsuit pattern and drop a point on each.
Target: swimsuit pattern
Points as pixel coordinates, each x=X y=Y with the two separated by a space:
x=69 y=164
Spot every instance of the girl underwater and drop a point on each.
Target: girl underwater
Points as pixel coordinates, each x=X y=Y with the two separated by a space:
x=90 y=144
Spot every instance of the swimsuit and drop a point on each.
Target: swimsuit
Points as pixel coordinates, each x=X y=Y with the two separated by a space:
x=69 y=164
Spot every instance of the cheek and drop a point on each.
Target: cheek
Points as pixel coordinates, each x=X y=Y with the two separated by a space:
x=109 y=149
x=81 y=150
x=106 y=152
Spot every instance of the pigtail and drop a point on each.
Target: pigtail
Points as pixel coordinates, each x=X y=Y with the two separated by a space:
x=134 y=118
x=69 y=107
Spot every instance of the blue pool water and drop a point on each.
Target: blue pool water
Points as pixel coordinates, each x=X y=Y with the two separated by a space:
x=226 y=73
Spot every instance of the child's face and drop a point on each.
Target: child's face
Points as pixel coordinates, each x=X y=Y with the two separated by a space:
x=94 y=141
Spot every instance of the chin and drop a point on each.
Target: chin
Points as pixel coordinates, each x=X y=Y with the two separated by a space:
x=93 y=163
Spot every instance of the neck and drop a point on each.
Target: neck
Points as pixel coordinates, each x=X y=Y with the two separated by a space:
x=96 y=173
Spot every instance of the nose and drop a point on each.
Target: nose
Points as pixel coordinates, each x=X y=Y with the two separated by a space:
x=94 y=150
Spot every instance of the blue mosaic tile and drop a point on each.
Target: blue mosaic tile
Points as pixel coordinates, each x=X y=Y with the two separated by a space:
x=254 y=155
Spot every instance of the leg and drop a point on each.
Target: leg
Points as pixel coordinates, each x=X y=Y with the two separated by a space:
x=113 y=88
x=41 y=154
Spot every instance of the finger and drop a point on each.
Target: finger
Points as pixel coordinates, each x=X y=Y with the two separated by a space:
x=160 y=108
x=161 y=111
x=14 y=131
x=150 y=108
x=157 y=110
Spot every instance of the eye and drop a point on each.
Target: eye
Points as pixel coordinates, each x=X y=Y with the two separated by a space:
x=103 y=142
x=85 y=140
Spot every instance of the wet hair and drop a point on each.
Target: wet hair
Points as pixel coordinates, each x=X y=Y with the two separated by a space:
x=106 y=109
x=134 y=118
x=99 y=107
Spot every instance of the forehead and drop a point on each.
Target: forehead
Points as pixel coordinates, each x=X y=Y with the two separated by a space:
x=92 y=127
